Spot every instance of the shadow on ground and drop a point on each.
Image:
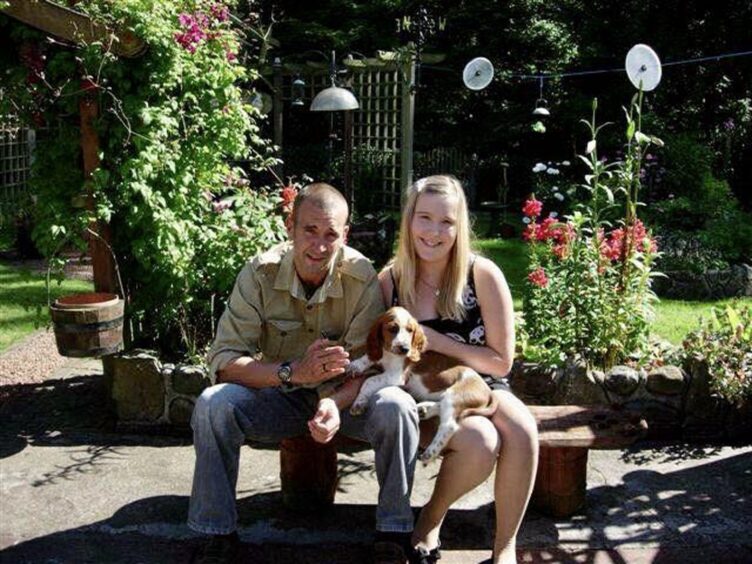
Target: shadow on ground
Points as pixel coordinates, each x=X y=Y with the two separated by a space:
x=657 y=513
x=677 y=516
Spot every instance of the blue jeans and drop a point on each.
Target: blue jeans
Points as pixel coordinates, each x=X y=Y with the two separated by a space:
x=227 y=414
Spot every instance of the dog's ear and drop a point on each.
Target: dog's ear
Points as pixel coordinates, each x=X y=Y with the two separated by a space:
x=375 y=341
x=418 y=344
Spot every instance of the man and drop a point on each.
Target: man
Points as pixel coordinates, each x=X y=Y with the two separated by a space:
x=267 y=358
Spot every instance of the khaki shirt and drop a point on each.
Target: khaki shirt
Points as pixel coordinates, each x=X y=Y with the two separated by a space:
x=269 y=318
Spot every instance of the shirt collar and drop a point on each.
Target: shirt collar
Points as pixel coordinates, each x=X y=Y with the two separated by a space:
x=287 y=279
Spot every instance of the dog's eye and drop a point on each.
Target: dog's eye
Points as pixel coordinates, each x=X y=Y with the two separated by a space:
x=410 y=329
x=393 y=329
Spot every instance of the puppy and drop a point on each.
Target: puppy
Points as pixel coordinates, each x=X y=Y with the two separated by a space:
x=443 y=387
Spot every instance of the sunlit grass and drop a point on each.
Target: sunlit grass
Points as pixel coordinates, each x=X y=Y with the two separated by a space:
x=23 y=302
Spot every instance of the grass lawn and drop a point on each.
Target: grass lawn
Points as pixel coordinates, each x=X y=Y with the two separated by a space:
x=674 y=318
x=23 y=302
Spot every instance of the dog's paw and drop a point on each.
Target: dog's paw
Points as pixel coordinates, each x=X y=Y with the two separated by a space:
x=357 y=409
x=424 y=411
x=427 y=456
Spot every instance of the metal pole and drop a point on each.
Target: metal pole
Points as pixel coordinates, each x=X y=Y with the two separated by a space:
x=408 y=121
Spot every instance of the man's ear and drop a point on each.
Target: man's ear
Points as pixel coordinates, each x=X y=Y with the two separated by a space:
x=289 y=225
x=345 y=233
x=375 y=341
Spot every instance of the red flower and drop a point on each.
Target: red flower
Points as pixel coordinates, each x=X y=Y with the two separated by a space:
x=531 y=232
x=538 y=277
x=288 y=194
x=613 y=246
x=532 y=207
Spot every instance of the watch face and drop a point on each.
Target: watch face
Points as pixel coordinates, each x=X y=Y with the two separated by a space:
x=285 y=372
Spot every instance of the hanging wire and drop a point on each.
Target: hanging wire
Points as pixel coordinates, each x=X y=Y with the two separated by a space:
x=603 y=71
x=621 y=69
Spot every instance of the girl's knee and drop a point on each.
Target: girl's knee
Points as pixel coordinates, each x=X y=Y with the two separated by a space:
x=516 y=424
x=476 y=440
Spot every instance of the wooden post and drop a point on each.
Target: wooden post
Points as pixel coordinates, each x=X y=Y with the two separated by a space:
x=561 y=482
x=408 y=121
x=308 y=472
x=347 y=172
x=277 y=112
x=102 y=261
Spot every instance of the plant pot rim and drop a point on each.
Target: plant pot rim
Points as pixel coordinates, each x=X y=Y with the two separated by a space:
x=88 y=300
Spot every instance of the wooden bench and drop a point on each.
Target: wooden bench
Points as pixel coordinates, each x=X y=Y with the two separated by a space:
x=566 y=433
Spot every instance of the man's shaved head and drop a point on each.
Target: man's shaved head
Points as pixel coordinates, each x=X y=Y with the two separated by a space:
x=322 y=196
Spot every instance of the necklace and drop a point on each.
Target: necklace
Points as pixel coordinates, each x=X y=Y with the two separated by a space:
x=435 y=289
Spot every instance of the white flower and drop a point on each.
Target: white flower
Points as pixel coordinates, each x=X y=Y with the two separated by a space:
x=552 y=170
x=559 y=196
x=525 y=219
x=565 y=163
x=539 y=167
x=555 y=188
x=554 y=214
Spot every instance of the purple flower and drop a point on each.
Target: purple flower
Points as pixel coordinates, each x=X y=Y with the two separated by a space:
x=186 y=20
x=220 y=12
x=729 y=124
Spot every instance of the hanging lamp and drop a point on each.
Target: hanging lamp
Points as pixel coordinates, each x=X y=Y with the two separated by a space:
x=334 y=98
x=541 y=103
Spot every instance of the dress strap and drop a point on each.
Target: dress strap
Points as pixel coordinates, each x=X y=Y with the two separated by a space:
x=395 y=298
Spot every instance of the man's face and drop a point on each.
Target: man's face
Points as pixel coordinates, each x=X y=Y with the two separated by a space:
x=317 y=234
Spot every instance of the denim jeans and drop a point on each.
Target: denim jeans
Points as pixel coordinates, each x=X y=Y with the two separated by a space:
x=227 y=414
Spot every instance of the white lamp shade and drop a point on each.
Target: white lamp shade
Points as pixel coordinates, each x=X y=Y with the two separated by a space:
x=334 y=99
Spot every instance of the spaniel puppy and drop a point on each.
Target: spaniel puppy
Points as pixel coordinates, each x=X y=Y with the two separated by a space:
x=442 y=386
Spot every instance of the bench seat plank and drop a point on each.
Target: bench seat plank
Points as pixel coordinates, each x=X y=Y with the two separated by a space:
x=587 y=426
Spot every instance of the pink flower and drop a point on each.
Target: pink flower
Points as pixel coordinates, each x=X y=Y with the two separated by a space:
x=531 y=232
x=532 y=207
x=538 y=277
x=220 y=12
x=231 y=56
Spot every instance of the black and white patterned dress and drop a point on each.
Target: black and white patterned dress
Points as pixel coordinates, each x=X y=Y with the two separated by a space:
x=470 y=330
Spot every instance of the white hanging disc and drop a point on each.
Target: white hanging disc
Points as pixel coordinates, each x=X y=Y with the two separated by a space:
x=643 y=64
x=478 y=73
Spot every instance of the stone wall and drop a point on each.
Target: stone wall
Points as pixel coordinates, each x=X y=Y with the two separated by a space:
x=675 y=402
x=148 y=393
x=712 y=284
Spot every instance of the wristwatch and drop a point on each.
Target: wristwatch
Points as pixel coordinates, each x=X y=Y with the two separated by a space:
x=284 y=373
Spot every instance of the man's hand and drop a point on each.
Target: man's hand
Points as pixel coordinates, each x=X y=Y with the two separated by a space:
x=320 y=363
x=325 y=422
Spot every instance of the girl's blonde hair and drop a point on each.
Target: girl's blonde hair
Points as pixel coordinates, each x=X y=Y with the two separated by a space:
x=405 y=263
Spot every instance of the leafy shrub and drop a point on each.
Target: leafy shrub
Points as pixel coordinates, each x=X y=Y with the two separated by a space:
x=173 y=124
x=724 y=342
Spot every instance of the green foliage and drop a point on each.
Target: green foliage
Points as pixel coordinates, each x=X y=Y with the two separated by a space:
x=184 y=218
x=23 y=302
x=588 y=293
x=724 y=342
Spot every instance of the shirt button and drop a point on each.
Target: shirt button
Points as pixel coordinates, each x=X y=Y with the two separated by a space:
x=310 y=330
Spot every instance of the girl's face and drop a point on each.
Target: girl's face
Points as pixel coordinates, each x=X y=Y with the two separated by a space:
x=434 y=226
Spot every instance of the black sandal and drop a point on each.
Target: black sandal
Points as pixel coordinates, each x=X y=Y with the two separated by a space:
x=422 y=555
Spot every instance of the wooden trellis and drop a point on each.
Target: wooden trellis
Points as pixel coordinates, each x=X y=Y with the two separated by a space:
x=377 y=137
x=16 y=150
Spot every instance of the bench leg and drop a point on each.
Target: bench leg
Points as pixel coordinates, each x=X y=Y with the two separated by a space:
x=561 y=481
x=308 y=471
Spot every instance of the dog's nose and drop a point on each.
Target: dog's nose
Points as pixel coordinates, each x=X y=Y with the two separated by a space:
x=403 y=349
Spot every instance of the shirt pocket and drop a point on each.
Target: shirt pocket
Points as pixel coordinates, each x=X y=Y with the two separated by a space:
x=282 y=337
